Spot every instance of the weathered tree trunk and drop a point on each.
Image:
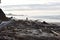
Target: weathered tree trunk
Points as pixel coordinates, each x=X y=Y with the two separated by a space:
x=55 y=33
x=7 y=23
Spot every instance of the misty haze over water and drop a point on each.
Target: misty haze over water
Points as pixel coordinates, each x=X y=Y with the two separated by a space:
x=36 y=16
x=49 y=12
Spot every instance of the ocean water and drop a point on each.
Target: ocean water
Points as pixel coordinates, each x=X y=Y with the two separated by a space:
x=33 y=15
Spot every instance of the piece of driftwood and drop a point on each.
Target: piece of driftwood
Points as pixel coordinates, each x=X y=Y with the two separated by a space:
x=6 y=23
x=55 y=33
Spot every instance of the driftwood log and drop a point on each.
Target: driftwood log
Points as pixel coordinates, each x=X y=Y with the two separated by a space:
x=55 y=33
x=6 y=23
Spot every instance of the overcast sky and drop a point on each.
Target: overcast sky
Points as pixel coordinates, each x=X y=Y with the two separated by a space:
x=41 y=7
x=20 y=2
x=32 y=4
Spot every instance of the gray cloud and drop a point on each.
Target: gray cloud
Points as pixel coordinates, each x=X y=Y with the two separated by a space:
x=49 y=6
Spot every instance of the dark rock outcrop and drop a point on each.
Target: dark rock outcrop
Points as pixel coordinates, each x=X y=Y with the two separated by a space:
x=3 y=16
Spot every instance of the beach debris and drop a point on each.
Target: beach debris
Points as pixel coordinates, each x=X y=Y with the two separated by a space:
x=27 y=29
x=45 y=22
x=26 y=18
x=55 y=33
